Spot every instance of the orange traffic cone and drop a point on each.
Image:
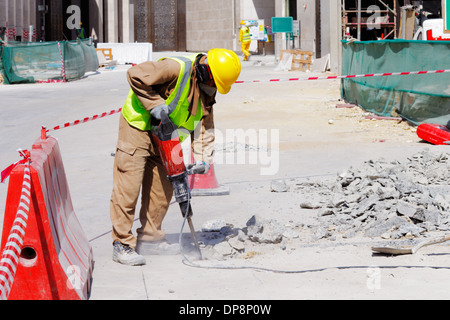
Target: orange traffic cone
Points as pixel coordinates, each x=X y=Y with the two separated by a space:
x=206 y=184
x=202 y=184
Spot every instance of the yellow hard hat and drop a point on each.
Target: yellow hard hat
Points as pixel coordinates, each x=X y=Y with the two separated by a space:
x=225 y=68
x=243 y=22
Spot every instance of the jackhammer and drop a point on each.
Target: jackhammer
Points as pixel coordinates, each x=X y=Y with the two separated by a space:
x=167 y=142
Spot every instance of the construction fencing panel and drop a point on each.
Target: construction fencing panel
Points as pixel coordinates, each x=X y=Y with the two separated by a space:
x=29 y=62
x=423 y=98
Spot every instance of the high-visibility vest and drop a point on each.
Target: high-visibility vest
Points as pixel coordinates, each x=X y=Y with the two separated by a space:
x=177 y=102
x=245 y=35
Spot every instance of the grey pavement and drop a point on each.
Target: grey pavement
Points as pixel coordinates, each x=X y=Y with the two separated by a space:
x=87 y=154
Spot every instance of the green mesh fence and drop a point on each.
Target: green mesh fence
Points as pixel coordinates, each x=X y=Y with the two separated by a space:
x=28 y=62
x=417 y=98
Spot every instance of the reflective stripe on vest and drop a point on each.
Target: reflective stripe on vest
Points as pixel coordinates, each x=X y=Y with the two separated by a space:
x=246 y=35
x=178 y=105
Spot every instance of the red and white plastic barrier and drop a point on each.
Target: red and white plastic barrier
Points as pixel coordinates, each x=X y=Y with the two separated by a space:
x=56 y=259
x=10 y=33
x=11 y=254
x=26 y=35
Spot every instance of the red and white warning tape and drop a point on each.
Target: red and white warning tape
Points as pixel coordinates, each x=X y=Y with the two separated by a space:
x=349 y=76
x=84 y=120
x=63 y=70
x=104 y=114
x=10 y=256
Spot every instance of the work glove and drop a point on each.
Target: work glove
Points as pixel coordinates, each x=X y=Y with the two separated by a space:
x=161 y=125
x=199 y=167
x=156 y=111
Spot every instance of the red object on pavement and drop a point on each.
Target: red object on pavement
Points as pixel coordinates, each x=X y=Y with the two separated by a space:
x=434 y=133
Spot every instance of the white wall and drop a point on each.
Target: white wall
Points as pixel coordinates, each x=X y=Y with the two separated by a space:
x=209 y=24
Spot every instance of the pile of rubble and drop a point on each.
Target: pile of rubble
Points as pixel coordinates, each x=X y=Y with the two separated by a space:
x=381 y=199
x=384 y=199
x=222 y=240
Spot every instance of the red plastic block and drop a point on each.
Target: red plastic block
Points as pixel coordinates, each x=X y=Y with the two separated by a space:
x=434 y=133
x=56 y=261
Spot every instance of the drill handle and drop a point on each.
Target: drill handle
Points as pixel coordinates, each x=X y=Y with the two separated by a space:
x=165 y=130
x=197 y=168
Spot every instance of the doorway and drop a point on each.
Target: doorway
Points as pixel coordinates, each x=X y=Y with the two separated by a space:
x=162 y=23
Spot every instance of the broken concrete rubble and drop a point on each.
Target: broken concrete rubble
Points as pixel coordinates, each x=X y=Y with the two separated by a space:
x=264 y=231
x=389 y=199
x=258 y=231
x=279 y=186
x=380 y=199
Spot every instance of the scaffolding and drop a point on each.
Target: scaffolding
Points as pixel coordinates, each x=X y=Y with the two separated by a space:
x=369 y=19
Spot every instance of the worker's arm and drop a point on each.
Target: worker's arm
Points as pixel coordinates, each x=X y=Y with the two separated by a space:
x=152 y=82
x=241 y=34
x=203 y=142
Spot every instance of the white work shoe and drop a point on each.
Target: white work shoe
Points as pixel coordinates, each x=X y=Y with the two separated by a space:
x=161 y=247
x=124 y=254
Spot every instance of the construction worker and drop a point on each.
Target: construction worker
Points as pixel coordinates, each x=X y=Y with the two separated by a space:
x=245 y=40
x=138 y=169
x=81 y=32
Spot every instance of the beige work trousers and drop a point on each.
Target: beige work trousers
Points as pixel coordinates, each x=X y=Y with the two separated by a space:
x=138 y=170
x=245 y=47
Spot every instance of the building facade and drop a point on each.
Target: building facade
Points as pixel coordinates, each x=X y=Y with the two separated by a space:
x=175 y=25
